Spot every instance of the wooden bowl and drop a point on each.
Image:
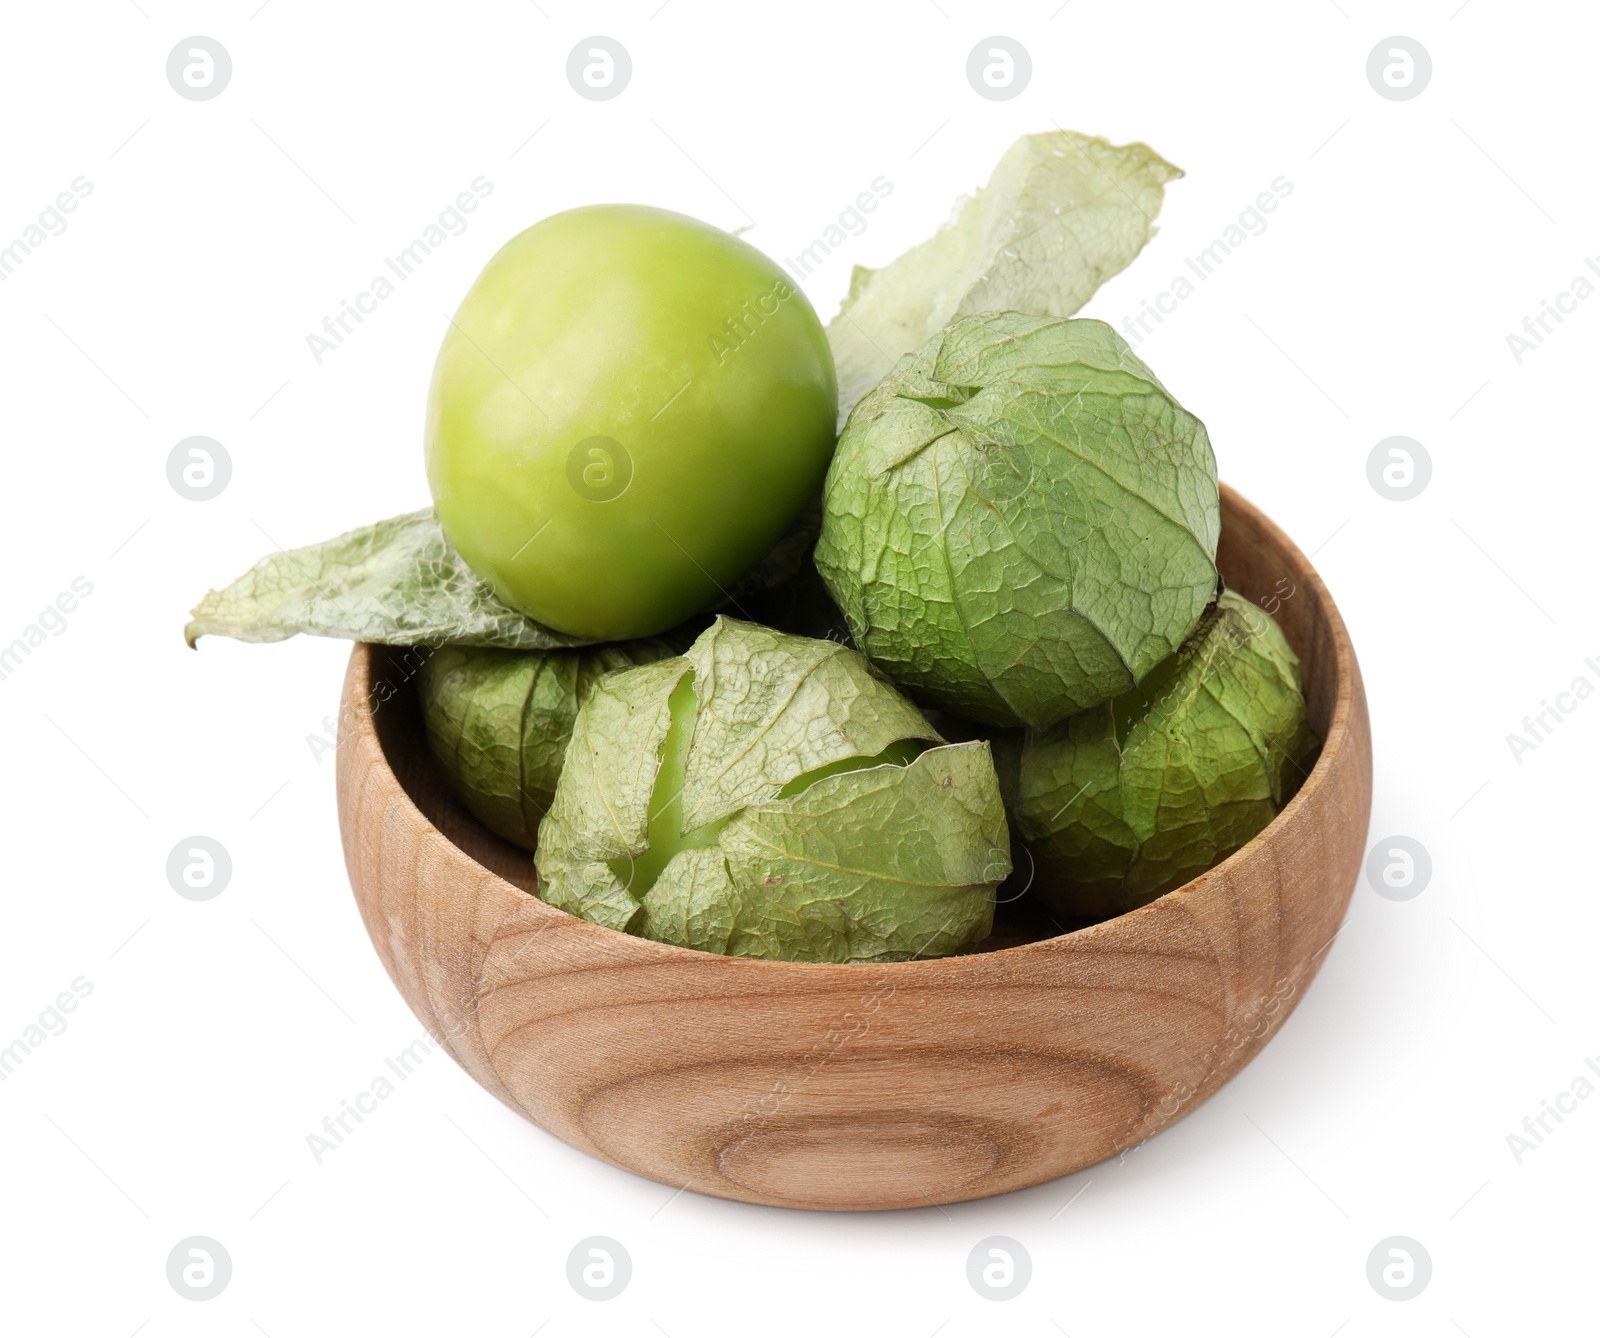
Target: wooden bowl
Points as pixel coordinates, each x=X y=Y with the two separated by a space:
x=859 y=1086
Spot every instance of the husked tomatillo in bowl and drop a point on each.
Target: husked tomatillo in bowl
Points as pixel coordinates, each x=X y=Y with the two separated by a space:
x=1020 y=521
x=790 y=804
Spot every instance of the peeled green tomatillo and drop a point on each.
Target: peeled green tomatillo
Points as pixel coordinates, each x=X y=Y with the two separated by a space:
x=628 y=410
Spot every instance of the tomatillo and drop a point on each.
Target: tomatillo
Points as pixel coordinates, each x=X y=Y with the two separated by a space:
x=628 y=410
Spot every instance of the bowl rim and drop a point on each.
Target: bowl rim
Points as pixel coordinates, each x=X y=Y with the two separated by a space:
x=1334 y=743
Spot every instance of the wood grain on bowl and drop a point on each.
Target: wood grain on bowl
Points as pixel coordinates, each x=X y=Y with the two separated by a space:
x=860 y=1086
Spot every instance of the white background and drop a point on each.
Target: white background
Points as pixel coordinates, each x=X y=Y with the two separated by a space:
x=219 y=1034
